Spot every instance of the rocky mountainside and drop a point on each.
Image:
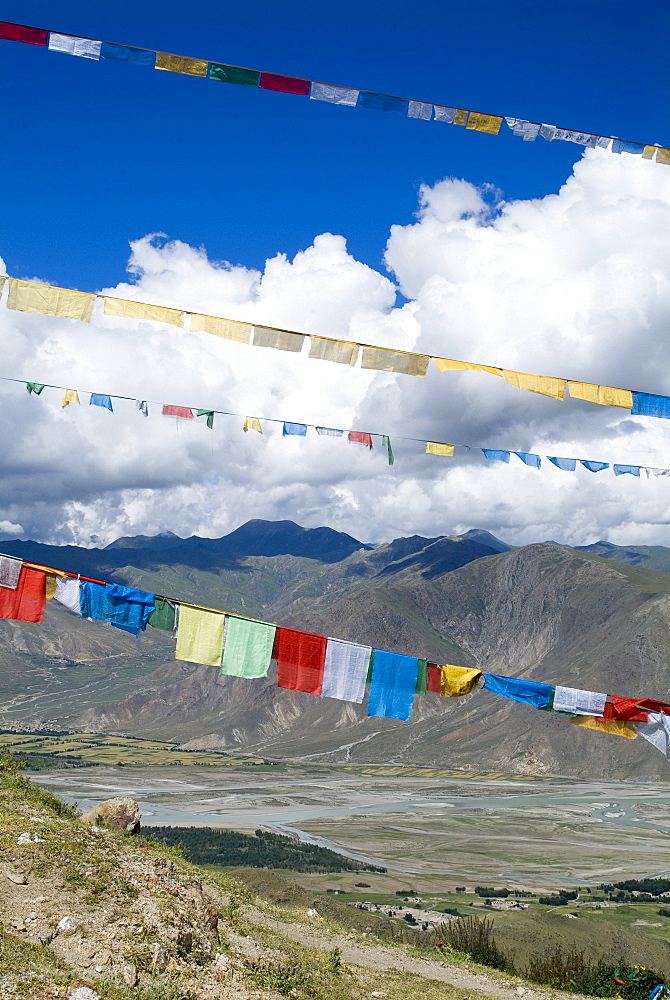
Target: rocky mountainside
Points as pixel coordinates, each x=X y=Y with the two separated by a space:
x=543 y=612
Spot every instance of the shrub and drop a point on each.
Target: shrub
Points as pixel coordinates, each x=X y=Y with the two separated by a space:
x=475 y=938
x=572 y=971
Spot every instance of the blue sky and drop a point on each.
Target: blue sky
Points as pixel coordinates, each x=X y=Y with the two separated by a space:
x=97 y=154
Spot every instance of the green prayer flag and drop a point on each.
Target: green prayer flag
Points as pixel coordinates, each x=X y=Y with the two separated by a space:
x=368 y=679
x=163 y=615
x=247 y=648
x=422 y=678
x=386 y=443
x=210 y=416
x=34 y=387
x=234 y=74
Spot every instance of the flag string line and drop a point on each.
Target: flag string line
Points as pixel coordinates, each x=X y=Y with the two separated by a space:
x=303 y=80
x=204 y=411
x=361 y=345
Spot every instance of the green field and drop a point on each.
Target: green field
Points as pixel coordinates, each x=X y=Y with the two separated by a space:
x=120 y=751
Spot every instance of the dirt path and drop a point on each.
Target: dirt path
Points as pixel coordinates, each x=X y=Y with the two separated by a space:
x=383 y=957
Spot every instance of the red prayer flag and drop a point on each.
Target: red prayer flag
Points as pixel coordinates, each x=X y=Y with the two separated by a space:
x=286 y=84
x=434 y=679
x=20 y=33
x=178 y=411
x=28 y=601
x=360 y=437
x=300 y=660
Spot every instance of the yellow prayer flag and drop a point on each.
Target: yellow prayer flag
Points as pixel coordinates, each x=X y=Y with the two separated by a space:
x=128 y=309
x=603 y=394
x=662 y=155
x=225 y=328
x=384 y=360
x=543 y=384
x=50 y=586
x=436 y=448
x=281 y=340
x=343 y=352
x=447 y=365
x=461 y=117
x=618 y=727
x=457 y=681
x=181 y=64
x=29 y=296
x=71 y=396
x=648 y=152
x=200 y=636
x=484 y=123
x=252 y=424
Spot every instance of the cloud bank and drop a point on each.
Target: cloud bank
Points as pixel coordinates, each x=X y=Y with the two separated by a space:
x=575 y=284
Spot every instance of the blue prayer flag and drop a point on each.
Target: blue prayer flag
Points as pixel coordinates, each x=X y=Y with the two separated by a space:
x=567 y=464
x=530 y=692
x=494 y=455
x=623 y=146
x=622 y=470
x=594 y=466
x=647 y=405
x=98 y=399
x=299 y=429
x=124 y=607
x=126 y=53
x=392 y=685
x=529 y=459
x=382 y=102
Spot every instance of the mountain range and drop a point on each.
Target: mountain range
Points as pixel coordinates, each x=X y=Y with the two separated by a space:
x=596 y=617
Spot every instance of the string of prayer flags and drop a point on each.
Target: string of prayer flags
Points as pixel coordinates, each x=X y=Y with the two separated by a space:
x=247 y=648
x=300 y=660
x=71 y=396
x=392 y=685
x=345 y=670
x=100 y=399
x=252 y=424
x=360 y=437
x=200 y=636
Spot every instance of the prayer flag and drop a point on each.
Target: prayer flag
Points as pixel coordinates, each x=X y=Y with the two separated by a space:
x=181 y=64
x=434 y=679
x=281 y=340
x=419 y=109
x=622 y=470
x=455 y=682
x=662 y=155
x=225 y=328
x=141 y=405
x=656 y=730
x=567 y=464
x=649 y=152
x=124 y=607
x=163 y=615
x=252 y=424
x=329 y=432
x=300 y=660
x=210 y=416
x=443 y=114
x=623 y=146
x=128 y=53
x=247 y=648
x=29 y=296
x=447 y=365
x=87 y=48
x=382 y=102
x=99 y=399
x=529 y=692
x=298 y=429
x=21 y=33
x=496 y=455
x=533 y=461
x=285 y=84
x=392 y=685
x=27 y=602
x=71 y=396
x=10 y=571
x=50 y=585
x=128 y=309
x=578 y=702
x=386 y=443
x=341 y=351
x=484 y=123
x=185 y=412
x=594 y=466
x=647 y=405
x=360 y=437
x=345 y=670
x=234 y=74
x=529 y=131
x=35 y=387
x=334 y=95
x=603 y=394
x=68 y=594
x=422 y=677
x=615 y=726
x=436 y=448
x=545 y=385
x=402 y=362
x=200 y=636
